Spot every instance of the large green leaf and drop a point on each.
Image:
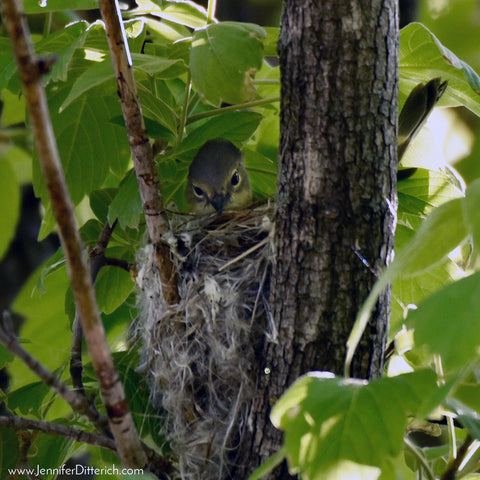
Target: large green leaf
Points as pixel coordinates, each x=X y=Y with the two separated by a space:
x=101 y=72
x=234 y=126
x=423 y=57
x=448 y=323
x=10 y=201
x=331 y=422
x=223 y=59
x=88 y=143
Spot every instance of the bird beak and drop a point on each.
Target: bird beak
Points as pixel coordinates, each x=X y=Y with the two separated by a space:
x=218 y=202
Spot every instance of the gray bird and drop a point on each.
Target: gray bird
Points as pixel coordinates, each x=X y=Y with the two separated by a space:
x=217 y=179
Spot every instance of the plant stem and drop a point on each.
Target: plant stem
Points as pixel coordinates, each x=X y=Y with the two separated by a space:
x=183 y=117
x=232 y=108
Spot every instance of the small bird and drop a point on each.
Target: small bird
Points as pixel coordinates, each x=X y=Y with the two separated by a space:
x=418 y=106
x=217 y=179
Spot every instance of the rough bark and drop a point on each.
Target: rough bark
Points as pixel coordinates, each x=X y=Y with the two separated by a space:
x=336 y=194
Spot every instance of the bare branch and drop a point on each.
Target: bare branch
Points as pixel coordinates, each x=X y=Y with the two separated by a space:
x=30 y=71
x=20 y=423
x=142 y=153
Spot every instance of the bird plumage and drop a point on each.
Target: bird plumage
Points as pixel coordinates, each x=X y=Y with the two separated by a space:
x=217 y=179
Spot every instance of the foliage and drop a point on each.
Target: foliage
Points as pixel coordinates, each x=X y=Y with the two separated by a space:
x=186 y=68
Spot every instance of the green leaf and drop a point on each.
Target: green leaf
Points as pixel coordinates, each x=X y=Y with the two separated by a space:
x=426 y=189
x=13 y=109
x=127 y=204
x=186 y=13
x=234 y=126
x=100 y=201
x=62 y=44
x=34 y=6
x=471 y=213
x=113 y=286
x=159 y=109
x=262 y=172
x=469 y=418
x=331 y=422
x=10 y=201
x=423 y=57
x=5 y=356
x=28 y=399
x=223 y=59
x=446 y=320
x=89 y=144
x=97 y=74
x=270 y=42
x=100 y=73
x=51 y=453
x=8 y=449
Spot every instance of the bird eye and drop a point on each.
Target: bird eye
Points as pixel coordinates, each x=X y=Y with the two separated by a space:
x=235 y=179
x=197 y=191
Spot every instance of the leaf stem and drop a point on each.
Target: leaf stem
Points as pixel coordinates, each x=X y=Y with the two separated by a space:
x=183 y=116
x=231 y=108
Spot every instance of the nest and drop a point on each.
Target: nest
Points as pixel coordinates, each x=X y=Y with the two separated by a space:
x=200 y=355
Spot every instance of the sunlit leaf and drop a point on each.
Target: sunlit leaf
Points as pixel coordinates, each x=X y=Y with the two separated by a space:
x=423 y=57
x=449 y=318
x=329 y=421
x=223 y=59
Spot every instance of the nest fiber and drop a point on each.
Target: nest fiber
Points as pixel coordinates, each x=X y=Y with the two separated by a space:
x=200 y=354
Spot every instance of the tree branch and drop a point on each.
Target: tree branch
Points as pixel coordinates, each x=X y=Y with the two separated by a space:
x=142 y=154
x=20 y=423
x=30 y=70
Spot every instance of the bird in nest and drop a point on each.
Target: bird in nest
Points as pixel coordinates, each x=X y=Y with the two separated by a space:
x=218 y=180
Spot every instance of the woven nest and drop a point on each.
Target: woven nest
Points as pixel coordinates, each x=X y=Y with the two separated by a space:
x=199 y=355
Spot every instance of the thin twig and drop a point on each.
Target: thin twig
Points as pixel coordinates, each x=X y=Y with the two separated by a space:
x=231 y=108
x=141 y=148
x=30 y=70
x=78 y=403
x=21 y=423
x=454 y=464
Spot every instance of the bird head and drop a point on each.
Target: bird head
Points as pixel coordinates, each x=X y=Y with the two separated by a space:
x=217 y=179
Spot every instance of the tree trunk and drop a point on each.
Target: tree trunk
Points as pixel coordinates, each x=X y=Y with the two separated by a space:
x=336 y=195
